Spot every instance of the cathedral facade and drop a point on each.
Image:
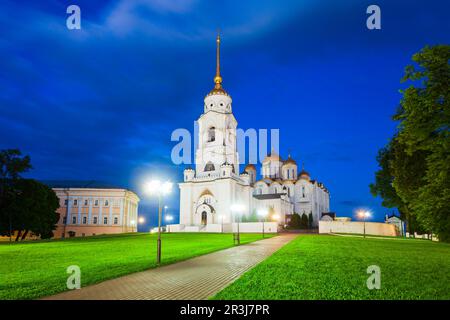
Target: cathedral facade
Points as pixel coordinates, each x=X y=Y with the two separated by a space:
x=215 y=195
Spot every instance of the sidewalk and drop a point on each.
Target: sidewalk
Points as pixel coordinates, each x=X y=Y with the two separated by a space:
x=195 y=279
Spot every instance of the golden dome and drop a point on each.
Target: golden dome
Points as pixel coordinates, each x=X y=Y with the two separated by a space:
x=290 y=161
x=250 y=167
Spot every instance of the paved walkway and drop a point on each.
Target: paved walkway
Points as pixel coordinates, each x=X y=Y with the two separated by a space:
x=196 y=279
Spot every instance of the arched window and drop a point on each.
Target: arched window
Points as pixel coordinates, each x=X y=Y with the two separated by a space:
x=211 y=134
x=209 y=166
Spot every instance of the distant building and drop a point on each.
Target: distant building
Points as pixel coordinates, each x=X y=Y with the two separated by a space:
x=92 y=208
x=395 y=220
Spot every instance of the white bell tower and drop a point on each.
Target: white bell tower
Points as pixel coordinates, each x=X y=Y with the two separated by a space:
x=217 y=130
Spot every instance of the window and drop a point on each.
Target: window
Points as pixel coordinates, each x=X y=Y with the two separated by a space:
x=66 y=202
x=64 y=220
x=211 y=134
x=95 y=220
x=303 y=191
x=105 y=220
x=74 y=220
x=210 y=166
x=96 y=202
x=84 y=220
x=106 y=203
x=116 y=220
x=75 y=202
x=86 y=202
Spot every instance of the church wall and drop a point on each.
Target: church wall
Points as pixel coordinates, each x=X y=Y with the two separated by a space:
x=374 y=228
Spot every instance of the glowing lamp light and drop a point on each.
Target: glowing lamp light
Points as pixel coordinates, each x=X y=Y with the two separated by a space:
x=262 y=212
x=141 y=220
x=363 y=213
x=169 y=218
x=133 y=222
x=156 y=187
x=276 y=217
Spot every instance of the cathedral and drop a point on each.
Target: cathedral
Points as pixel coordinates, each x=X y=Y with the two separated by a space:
x=215 y=195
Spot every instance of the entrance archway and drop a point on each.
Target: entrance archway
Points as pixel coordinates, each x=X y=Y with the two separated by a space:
x=204 y=218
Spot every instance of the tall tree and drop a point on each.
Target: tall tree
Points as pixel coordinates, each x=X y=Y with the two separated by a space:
x=12 y=165
x=304 y=221
x=415 y=166
x=295 y=221
x=424 y=131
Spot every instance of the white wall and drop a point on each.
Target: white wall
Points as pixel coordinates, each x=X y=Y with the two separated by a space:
x=374 y=228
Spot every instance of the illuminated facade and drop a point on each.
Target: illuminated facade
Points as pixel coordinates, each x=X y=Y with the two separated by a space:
x=214 y=186
x=89 y=211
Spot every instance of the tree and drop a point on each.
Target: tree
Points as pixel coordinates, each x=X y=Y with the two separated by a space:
x=295 y=221
x=424 y=130
x=35 y=209
x=304 y=221
x=12 y=165
x=394 y=162
x=415 y=166
x=310 y=220
x=26 y=205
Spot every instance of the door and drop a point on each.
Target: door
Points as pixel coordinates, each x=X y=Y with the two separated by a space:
x=204 y=217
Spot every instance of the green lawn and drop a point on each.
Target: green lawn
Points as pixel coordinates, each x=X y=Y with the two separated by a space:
x=334 y=267
x=35 y=269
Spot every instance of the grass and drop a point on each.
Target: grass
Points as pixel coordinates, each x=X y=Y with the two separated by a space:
x=36 y=269
x=334 y=267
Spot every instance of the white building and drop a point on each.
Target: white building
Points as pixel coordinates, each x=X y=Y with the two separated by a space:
x=209 y=191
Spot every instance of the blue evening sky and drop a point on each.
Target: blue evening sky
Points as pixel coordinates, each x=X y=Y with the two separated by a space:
x=101 y=103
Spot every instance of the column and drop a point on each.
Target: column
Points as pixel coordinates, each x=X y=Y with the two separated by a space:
x=80 y=203
x=90 y=210
x=110 y=219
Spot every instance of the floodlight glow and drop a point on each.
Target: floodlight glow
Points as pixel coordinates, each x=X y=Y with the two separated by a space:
x=169 y=218
x=363 y=213
x=156 y=187
x=276 y=217
x=133 y=222
x=141 y=220
x=262 y=212
x=166 y=187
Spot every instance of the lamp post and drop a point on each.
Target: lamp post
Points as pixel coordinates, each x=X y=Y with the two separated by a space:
x=159 y=189
x=364 y=214
x=221 y=222
x=238 y=209
x=263 y=214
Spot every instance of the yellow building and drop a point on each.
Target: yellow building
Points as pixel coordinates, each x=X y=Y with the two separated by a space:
x=92 y=209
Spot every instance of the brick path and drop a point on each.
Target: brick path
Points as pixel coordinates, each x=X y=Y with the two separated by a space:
x=197 y=278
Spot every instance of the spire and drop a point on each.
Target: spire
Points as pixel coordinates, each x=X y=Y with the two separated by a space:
x=218 y=78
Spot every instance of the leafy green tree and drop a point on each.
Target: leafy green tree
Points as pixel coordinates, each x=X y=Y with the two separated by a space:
x=12 y=165
x=295 y=221
x=310 y=220
x=415 y=166
x=393 y=160
x=35 y=209
x=26 y=205
x=424 y=130
x=304 y=221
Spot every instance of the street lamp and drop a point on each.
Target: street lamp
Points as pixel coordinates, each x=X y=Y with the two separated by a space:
x=263 y=214
x=159 y=189
x=364 y=214
x=238 y=209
